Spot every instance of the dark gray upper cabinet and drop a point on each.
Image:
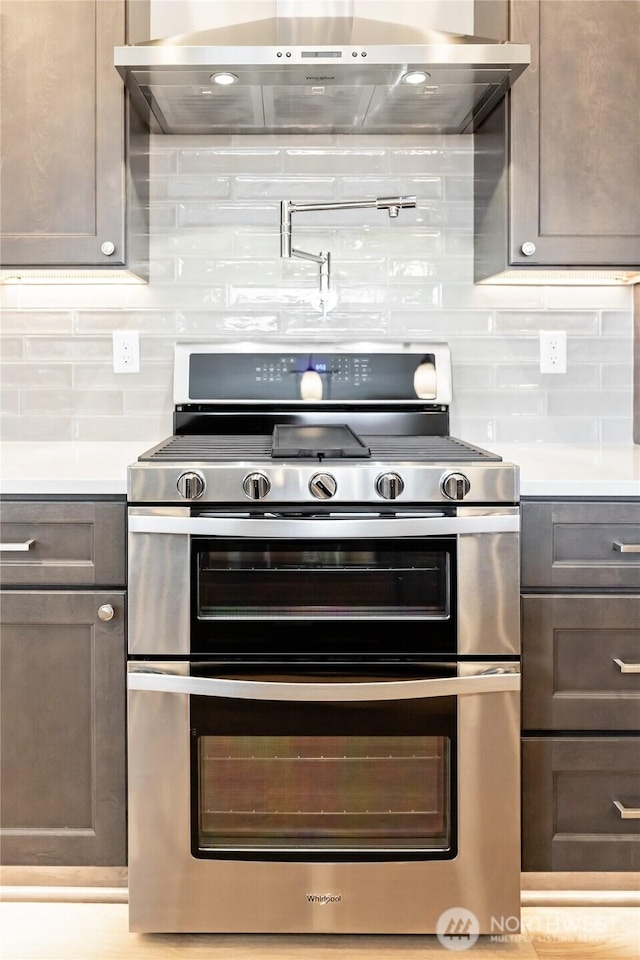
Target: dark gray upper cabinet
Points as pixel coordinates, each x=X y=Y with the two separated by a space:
x=558 y=163
x=72 y=176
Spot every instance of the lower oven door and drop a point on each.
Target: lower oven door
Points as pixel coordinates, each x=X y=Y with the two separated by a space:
x=359 y=799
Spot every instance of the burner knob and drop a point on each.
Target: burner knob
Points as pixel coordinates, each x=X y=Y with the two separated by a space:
x=190 y=486
x=455 y=486
x=390 y=486
x=256 y=486
x=323 y=486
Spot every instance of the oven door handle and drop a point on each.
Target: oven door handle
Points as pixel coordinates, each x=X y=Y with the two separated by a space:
x=493 y=681
x=507 y=522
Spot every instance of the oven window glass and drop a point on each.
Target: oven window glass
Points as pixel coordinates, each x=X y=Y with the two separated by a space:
x=341 y=793
x=299 y=776
x=339 y=579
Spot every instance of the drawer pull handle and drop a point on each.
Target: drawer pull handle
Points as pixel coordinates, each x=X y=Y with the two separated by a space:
x=627 y=813
x=626 y=547
x=16 y=547
x=106 y=612
x=627 y=667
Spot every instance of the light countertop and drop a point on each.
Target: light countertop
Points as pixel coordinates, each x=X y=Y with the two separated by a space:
x=546 y=470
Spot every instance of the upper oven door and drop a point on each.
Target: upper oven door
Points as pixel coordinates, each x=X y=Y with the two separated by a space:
x=282 y=585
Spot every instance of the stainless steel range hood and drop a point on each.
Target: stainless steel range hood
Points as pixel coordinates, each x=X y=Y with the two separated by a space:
x=318 y=75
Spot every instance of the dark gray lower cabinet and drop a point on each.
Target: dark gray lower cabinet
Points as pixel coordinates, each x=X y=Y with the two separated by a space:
x=581 y=803
x=578 y=662
x=63 y=728
x=580 y=685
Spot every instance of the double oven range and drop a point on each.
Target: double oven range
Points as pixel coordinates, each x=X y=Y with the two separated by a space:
x=324 y=651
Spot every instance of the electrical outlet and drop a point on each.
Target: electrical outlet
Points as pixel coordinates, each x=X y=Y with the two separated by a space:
x=126 y=351
x=553 y=351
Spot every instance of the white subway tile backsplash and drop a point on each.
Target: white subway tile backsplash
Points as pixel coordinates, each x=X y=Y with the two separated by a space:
x=188 y=188
x=546 y=430
x=417 y=161
x=148 y=402
x=103 y=322
x=423 y=188
x=23 y=321
x=10 y=402
x=616 y=431
x=109 y=428
x=68 y=348
x=215 y=323
x=11 y=348
x=443 y=324
x=316 y=160
x=36 y=376
x=213 y=215
x=217 y=275
x=230 y=161
x=39 y=427
x=87 y=403
x=616 y=323
x=304 y=189
x=270 y=297
x=95 y=376
x=472 y=403
x=592 y=297
x=582 y=403
x=527 y=376
x=529 y=322
x=206 y=270
x=492 y=349
x=336 y=325
x=343 y=271
x=469 y=296
x=617 y=376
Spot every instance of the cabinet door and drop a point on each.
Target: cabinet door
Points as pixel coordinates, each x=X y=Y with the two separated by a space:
x=575 y=133
x=62 y=712
x=62 y=183
x=581 y=803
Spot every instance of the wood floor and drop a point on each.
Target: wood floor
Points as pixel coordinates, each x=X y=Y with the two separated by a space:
x=99 y=931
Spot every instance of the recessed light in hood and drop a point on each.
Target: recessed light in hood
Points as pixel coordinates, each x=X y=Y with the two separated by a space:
x=319 y=75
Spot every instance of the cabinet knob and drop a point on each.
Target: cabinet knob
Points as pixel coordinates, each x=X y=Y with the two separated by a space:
x=106 y=612
x=108 y=248
x=528 y=248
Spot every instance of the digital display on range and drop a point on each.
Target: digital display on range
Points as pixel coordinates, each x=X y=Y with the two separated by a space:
x=281 y=377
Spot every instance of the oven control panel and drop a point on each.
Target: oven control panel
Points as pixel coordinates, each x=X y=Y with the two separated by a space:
x=212 y=376
x=342 y=483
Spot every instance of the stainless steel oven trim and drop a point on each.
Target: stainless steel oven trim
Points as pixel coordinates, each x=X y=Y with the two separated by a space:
x=502 y=521
x=495 y=678
x=171 y=891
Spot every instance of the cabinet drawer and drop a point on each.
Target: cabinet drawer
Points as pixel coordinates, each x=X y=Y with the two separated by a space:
x=71 y=543
x=570 y=677
x=581 y=544
x=570 y=818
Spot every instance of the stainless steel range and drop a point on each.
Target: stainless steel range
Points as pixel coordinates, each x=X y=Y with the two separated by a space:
x=324 y=652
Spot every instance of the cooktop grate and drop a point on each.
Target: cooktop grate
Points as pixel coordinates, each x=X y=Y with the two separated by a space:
x=224 y=448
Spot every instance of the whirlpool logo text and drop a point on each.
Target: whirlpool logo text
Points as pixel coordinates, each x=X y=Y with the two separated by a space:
x=324 y=898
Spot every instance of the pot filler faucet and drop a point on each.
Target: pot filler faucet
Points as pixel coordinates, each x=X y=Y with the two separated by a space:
x=287 y=250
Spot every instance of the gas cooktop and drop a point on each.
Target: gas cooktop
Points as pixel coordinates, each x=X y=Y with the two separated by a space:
x=220 y=448
x=347 y=425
